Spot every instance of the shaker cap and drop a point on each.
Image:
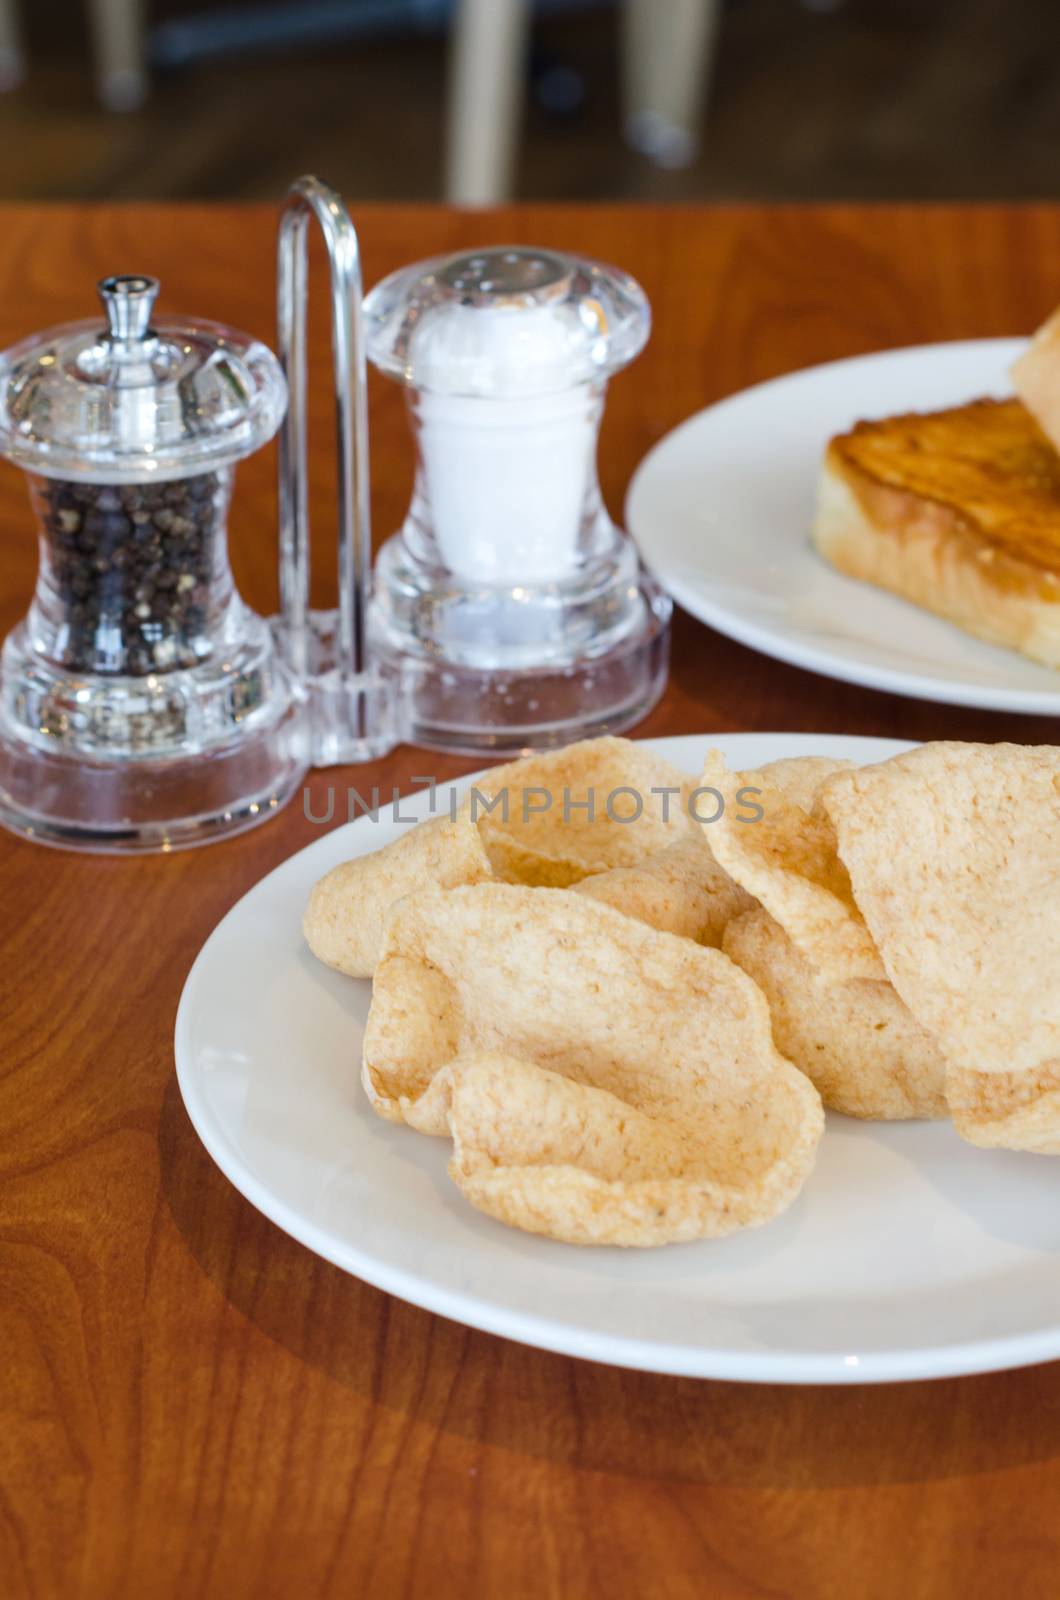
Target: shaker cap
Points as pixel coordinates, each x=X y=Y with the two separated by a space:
x=140 y=399
x=506 y=322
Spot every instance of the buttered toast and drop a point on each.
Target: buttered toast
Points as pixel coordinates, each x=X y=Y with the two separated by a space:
x=956 y=510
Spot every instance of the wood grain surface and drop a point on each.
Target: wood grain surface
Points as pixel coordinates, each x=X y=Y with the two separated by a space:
x=193 y=1405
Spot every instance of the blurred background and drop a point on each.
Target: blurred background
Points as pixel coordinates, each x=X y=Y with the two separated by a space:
x=476 y=100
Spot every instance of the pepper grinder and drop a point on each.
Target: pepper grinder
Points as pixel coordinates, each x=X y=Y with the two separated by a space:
x=143 y=706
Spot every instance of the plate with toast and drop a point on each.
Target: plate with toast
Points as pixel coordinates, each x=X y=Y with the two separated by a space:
x=891 y=520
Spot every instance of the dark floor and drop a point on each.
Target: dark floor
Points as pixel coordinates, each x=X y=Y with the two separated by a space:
x=876 y=98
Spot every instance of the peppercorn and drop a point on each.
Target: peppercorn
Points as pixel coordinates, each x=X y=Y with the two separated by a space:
x=135 y=559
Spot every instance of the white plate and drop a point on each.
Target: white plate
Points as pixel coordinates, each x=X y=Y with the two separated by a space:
x=908 y=1254
x=722 y=508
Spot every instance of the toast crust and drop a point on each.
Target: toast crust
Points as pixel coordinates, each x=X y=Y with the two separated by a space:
x=958 y=511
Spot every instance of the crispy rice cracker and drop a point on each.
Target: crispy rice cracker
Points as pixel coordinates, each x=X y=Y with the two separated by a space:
x=858 y=1042
x=799 y=778
x=603 y=1082
x=681 y=890
x=560 y=845
x=348 y=908
x=787 y=860
x=954 y=856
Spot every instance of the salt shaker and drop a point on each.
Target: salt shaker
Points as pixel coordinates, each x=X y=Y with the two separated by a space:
x=142 y=704
x=509 y=611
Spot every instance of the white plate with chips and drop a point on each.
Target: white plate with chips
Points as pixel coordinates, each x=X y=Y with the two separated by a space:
x=722 y=508
x=908 y=1253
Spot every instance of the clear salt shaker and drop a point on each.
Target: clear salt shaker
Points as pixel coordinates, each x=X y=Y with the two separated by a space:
x=509 y=611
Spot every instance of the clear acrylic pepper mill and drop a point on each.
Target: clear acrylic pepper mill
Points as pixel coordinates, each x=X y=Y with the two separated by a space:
x=142 y=704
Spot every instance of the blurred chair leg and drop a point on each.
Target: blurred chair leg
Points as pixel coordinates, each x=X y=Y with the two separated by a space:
x=12 y=59
x=668 y=47
x=118 y=36
x=485 y=99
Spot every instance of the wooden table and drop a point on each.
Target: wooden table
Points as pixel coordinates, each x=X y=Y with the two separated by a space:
x=191 y=1403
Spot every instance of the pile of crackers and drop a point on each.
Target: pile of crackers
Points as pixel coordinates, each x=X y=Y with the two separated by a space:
x=626 y=993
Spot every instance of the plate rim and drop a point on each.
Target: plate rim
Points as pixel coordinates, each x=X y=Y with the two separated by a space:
x=764 y=639
x=790 y=1368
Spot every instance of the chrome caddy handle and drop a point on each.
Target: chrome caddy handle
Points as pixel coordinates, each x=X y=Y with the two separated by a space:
x=349 y=707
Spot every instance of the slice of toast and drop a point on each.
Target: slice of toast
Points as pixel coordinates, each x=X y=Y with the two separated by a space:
x=958 y=511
